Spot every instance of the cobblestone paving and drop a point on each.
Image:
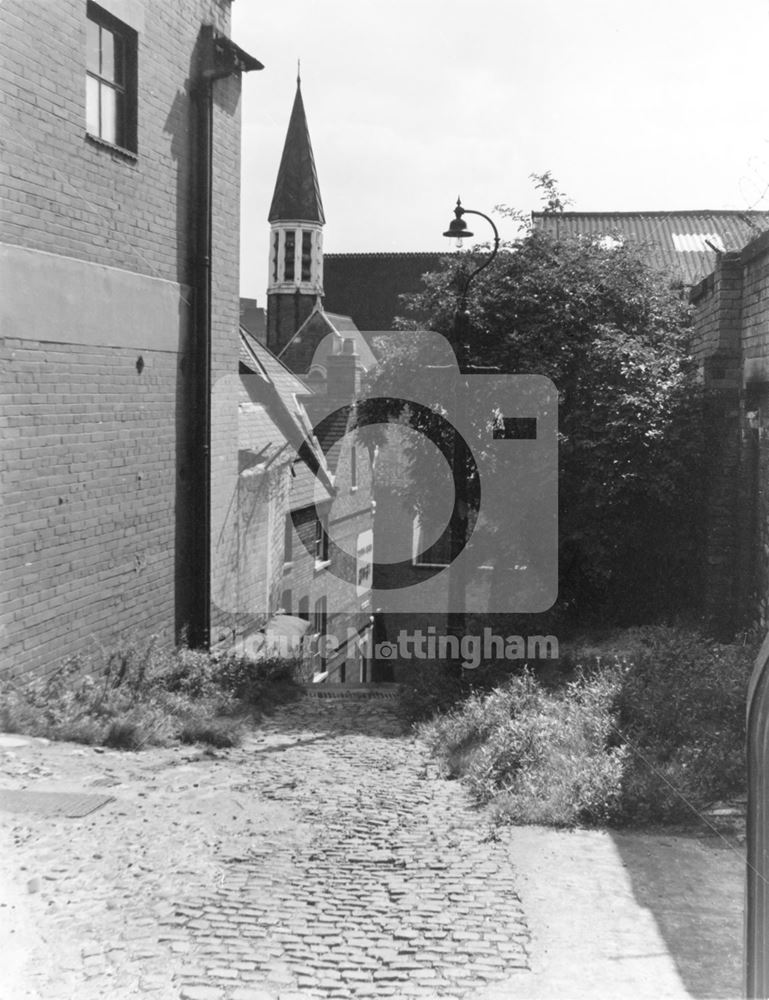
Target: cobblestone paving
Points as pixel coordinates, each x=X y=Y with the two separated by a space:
x=323 y=859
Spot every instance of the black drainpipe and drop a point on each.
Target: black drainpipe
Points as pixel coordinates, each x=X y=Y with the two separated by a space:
x=221 y=58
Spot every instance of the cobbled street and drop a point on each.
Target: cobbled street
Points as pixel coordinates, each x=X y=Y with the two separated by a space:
x=322 y=859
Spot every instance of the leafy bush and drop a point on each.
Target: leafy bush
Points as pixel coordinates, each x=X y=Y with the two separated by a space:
x=539 y=756
x=144 y=694
x=650 y=727
x=681 y=710
x=613 y=333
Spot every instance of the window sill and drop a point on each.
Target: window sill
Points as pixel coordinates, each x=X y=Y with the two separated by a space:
x=321 y=564
x=121 y=151
x=425 y=565
x=353 y=489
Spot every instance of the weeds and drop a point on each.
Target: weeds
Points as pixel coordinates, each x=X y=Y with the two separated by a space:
x=146 y=695
x=649 y=725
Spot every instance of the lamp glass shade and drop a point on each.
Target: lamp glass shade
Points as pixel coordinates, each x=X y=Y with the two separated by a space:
x=457 y=230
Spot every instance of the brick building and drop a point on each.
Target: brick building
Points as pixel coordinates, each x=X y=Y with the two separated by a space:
x=120 y=123
x=732 y=346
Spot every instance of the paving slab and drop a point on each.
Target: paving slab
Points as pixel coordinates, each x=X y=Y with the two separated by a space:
x=628 y=915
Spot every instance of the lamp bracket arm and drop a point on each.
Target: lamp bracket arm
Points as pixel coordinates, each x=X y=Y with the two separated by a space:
x=489 y=259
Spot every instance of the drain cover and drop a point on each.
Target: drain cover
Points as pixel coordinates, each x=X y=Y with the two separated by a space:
x=70 y=804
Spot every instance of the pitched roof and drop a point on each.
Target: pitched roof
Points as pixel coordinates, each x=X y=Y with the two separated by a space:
x=686 y=243
x=318 y=336
x=279 y=393
x=261 y=360
x=297 y=193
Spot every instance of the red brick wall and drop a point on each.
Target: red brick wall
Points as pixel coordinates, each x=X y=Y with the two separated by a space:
x=732 y=327
x=68 y=195
x=89 y=498
x=101 y=468
x=754 y=552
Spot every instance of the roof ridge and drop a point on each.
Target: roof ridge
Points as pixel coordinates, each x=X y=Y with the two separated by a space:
x=391 y=253
x=274 y=357
x=660 y=212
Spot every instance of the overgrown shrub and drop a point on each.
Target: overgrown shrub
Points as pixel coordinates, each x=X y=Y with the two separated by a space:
x=650 y=727
x=142 y=694
x=539 y=755
x=681 y=711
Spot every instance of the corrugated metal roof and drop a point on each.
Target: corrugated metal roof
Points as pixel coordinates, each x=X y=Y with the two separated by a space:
x=677 y=241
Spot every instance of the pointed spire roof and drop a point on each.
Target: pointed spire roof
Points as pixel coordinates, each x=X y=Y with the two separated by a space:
x=297 y=193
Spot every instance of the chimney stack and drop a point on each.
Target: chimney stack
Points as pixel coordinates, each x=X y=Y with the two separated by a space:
x=343 y=371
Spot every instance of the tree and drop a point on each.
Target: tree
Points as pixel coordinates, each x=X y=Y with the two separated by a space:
x=612 y=332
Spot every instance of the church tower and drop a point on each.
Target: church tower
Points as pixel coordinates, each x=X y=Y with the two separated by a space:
x=296 y=235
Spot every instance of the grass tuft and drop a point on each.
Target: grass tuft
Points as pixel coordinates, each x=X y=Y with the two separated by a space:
x=649 y=724
x=142 y=694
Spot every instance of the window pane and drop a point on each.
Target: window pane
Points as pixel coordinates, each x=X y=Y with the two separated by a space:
x=108 y=130
x=92 y=105
x=92 y=47
x=111 y=79
x=107 y=54
x=439 y=554
x=119 y=49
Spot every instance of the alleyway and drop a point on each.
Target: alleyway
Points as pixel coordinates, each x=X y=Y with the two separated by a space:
x=325 y=859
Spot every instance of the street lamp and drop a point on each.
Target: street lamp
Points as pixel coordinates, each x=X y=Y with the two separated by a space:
x=460 y=336
x=458 y=231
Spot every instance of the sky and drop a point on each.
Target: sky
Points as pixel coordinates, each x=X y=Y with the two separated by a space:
x=632 y=106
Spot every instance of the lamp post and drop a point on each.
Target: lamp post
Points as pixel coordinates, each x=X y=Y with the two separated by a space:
x=458 y=231
x=460 y=343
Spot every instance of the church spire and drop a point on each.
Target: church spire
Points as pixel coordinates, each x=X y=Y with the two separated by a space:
x=296 y=233
x=297 y=192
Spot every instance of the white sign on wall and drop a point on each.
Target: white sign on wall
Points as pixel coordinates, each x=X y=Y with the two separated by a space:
x=364 y=557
